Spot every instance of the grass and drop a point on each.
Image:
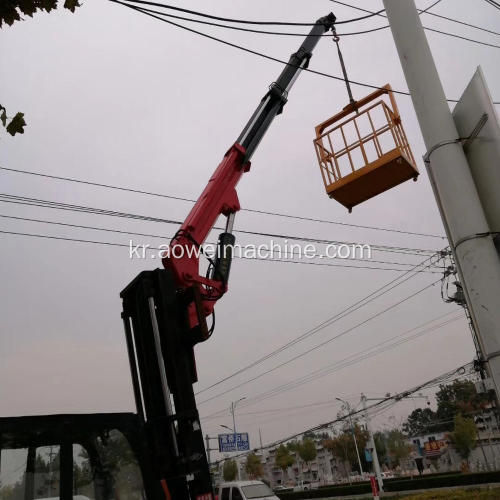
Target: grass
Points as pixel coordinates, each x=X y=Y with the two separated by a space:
x=485 y=494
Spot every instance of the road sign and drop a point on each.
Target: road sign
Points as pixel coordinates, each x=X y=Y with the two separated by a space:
x=234 y=442
x=483 y=151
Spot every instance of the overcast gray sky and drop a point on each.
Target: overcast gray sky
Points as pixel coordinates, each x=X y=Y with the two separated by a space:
x=116 y=97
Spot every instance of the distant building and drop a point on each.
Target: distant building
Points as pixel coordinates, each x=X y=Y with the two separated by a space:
x=325 y=468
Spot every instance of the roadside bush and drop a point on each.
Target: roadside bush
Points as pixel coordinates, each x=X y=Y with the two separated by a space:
x=456 y=495
x=400 y=484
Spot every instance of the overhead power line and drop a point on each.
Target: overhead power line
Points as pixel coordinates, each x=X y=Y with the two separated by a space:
x=355 y=358
x=446 y=377
x=480 y=28
x=334 y=368
x=285 y=33
x=168 y=238
x=190 y=200
x=387 y=287
x=23 y=200
x=260 y=54
x=245 y=21
x=322 y=344
x=256 y=258
x=493 y=3
x=234 y=28
x=153 y=13
x=454 y=35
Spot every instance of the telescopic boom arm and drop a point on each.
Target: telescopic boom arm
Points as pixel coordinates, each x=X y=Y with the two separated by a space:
x=220 y=198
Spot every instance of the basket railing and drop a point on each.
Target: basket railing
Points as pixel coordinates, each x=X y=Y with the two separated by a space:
x=328 y=157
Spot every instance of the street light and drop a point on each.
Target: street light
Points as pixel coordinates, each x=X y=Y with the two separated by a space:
x=226 y=427
x=353 y=433
x=233 y=407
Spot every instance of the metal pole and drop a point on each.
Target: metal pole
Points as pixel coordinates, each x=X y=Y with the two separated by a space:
x=371 y=444
x=207 y=440
x=163 y=371
x=348 y=407
x=477 y=261
x=355 y=441
x=233 y=406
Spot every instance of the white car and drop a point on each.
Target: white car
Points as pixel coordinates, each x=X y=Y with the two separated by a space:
x=245 y=490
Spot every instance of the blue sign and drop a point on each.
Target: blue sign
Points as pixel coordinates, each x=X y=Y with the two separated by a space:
x=368 y=455
x=234 y=442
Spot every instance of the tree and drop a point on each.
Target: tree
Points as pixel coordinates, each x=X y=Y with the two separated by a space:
x=283 y=458
x=463 y=436
x=397 y=446
x=458 y=397
x=253 y=466
x=316 y=435
x=230 y=470
x=421 y=421
x=343 y=446
x=16 y=124
x=379 y=439
x=307 y=450
x=10 y=12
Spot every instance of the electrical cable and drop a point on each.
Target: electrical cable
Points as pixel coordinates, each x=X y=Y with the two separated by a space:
x=333 y=369
x=148 y=235
x=425 y=27
x=154 y=13
x=328 y=322
x=361 y=355
x=322 y=344
x=124 y=245
x=260 y=54
x=493 y=4
x=16 y=199
x=283 y=33
x=440 y=379
x=246 y=21
x=480 y=28
x=236 y=28
x=190 y=200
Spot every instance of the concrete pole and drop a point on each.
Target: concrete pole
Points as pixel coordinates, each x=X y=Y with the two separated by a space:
x=371 y=444
x=353 y=430
x=477 y=261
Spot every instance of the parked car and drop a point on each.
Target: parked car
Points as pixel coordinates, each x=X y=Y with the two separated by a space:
x=281 y=488
x=245 y=490
x=305 y=485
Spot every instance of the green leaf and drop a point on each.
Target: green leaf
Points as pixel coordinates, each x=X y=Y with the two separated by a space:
x=8 y=14
x=3 y=115
x=16 y=125
x=72 y=5
x=27 y=7
x=49 y=5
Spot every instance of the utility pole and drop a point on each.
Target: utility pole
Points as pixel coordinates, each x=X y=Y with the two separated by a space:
x=232 y=408
x=371 y=444
x=469 y=235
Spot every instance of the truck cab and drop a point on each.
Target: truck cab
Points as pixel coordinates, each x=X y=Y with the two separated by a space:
x=245 y=490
